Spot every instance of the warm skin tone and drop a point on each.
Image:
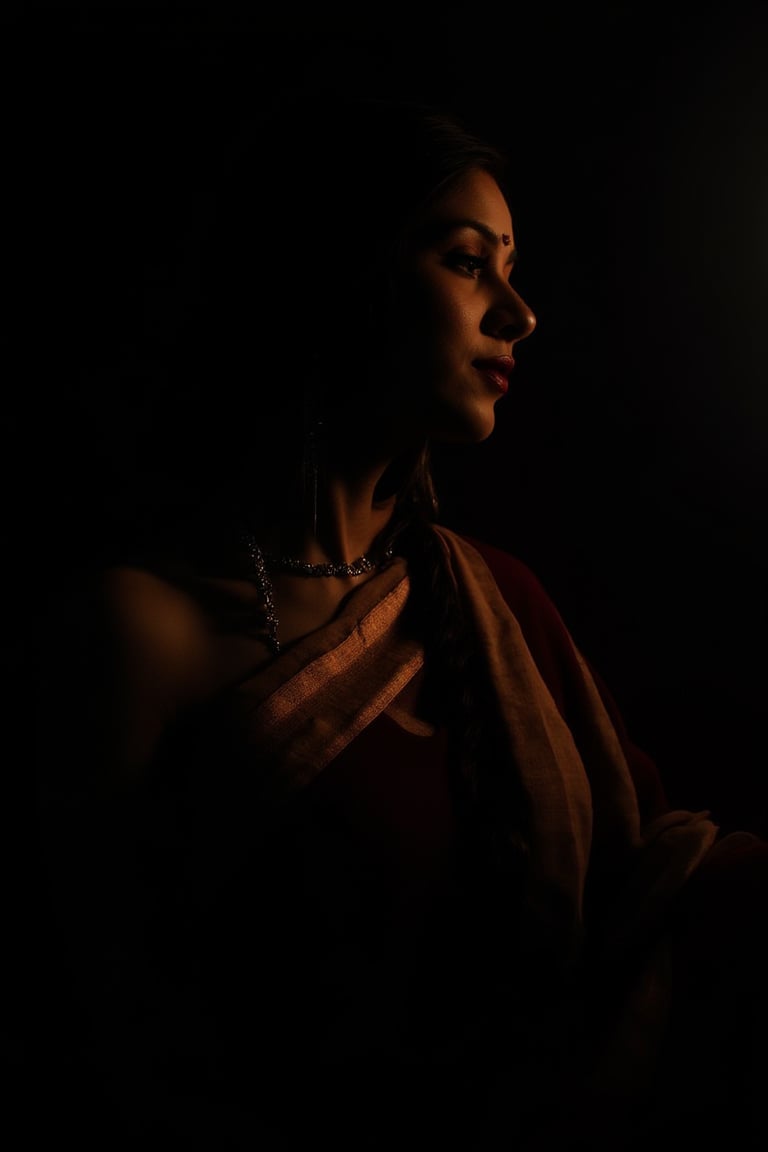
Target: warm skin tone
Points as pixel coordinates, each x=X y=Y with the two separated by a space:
x=460 y=309
x=466 y=311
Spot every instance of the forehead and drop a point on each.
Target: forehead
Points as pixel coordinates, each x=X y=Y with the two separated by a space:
x=476 y=196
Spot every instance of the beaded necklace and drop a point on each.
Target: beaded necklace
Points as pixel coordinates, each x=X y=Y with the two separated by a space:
x=261 y=563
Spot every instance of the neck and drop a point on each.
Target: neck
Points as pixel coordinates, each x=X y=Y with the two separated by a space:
x=349 y=520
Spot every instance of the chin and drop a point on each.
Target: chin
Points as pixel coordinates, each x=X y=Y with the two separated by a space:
x=466 y=428
x=467 y=439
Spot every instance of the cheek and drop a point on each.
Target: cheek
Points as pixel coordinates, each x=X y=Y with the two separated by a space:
x=452 y=337
x=436 y=329
x=445 y=321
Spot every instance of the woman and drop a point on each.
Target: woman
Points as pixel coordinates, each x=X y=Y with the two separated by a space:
x=370 y=852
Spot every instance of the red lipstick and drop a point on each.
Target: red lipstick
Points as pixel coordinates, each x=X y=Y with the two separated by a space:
x=497 y=370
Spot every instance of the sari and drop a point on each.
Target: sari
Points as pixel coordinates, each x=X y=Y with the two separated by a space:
x=329 y=944
x=572 y=937
x=297 y=714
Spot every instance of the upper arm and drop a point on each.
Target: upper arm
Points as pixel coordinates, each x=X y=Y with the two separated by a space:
x=125 y=653
x=154 y=662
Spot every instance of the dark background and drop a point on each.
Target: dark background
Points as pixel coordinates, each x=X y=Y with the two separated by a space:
x=630 y=463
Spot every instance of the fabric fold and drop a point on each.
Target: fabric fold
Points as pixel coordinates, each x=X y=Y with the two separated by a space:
x=578 y=813
x=582 y=809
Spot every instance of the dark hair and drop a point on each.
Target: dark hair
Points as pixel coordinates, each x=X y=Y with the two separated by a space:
x=281 y=281
x=305 y=178
x=301 y=179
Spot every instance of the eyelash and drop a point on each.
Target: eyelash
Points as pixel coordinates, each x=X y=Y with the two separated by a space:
x=471 y=264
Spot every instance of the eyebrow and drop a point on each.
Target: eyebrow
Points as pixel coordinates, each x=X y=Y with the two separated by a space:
x=442 y=227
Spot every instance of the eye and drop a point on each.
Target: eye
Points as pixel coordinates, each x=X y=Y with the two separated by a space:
x=466 y=262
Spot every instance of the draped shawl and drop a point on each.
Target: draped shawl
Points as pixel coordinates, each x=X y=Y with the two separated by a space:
x=579 y=810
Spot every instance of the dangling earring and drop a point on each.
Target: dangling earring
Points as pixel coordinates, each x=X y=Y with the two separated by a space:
x=311 y=456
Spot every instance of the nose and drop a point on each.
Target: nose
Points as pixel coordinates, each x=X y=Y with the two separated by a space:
x=509 y=318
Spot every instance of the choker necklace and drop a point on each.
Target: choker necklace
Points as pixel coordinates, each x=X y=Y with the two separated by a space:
x=302 y=568
x=262 y=562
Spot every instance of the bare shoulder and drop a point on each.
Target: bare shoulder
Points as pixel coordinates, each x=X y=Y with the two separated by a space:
x=154 y=660
x=192 y=637
x=129 y=651
x=153 y=621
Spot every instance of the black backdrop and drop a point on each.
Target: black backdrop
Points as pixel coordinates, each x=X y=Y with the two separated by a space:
x=629 y=467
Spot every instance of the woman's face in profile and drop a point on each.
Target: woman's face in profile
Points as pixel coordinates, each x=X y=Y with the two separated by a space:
x=462 y=318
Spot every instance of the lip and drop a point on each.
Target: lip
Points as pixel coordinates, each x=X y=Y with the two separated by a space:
x=496 y=369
